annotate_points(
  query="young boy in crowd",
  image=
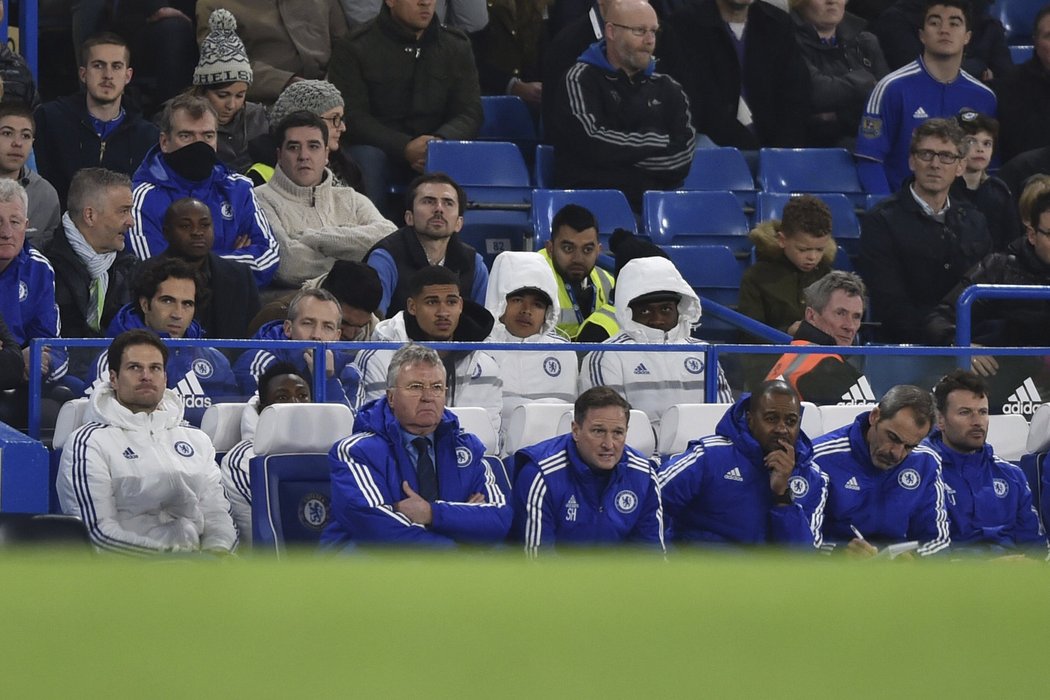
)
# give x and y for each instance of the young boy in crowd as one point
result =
(988, 193)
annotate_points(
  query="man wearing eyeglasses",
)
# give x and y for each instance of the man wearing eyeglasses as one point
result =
(916, 245)
(619, 124)
(408, 475)
(315, 223)
(934, 85)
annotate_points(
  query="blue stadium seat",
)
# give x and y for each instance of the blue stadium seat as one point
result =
(543, 167)
(507, 118)
(813, 170)
(695, 218)
(493, 173)
(843, 261)
(714, 273)
(492, 231)
(845, 226)
(1021, 54)
(1017, 17)
(721, 168)
(610, 207)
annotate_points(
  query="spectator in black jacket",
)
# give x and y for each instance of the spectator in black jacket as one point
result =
(844, 64)
(1024, 96)
(92, 269)
(12, 366)
(988, 193)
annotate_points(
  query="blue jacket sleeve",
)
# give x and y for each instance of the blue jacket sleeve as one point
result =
(361, 505)
(380, 261)
(475, 522)
(929, 522)
(533, 514)
(680, 480)
(1027, 529)
(249, 367)
(147, 213)
(262, 252)
(481, 280)
(650, 526)
(801, 522)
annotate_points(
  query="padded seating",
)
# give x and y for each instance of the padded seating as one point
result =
(721, 168)
(70, 417)
(834, 417)
(532, 423)
(640, 434)
(687, 421)
(475, 420)
(222, 423)
(1039, 430)
(813, 170)
(812, 421)
(695, 218)
(610, 207)
(492, 173)
(291, 487)
(1008, 434)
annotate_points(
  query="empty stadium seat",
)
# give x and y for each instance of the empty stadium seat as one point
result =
(640, 434)
(712, 270)
(543, 167)
(610, 207)
(1021, 54)
(507, 118)
(812, 421)
(493, 173)
(834, 417)
(1008, 434)
(532, 423)
(1039, 430)
(812, 170)
(222, 423)
(721, 168)
(1018, 17)
(688, 421)
(291, 487)
(70, 417)
(492, 231)
(705, 218)
(475, 420)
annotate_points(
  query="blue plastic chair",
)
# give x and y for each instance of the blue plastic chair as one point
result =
(492, 231)
(812, 170)
(714, 273)
(721, 168)
(506, 118)
(695, 218)
(610, 207)
(1021, 54)
(543, 167)
(1018, 17)
(845, 226)
(492, 173)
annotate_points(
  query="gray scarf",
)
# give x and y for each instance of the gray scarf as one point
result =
(97, 264)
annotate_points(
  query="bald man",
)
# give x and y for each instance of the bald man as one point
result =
(619, 124)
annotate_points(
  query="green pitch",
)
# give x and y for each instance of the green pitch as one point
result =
(624, 625)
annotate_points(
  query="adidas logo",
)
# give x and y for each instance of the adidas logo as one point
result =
(852, 484)
(641, 369)
(192, 393)
(130, 454)
(920, 113)
(733, 474)
(859, 393)
(573, 503)
(1024, 400)
(570, 509)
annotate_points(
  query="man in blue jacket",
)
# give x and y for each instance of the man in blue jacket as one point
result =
(409, 475)
(185, 164)
(587, 486)
(989, 501)
(753, 481)
(884, 486)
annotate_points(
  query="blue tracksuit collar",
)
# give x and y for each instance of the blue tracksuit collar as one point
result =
(126, 320)
(734, 427)
(595, 55)
(958, 460)
(376, 417)
(155, 170)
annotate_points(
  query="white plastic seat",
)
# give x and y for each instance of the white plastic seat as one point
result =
(1008, 434)
(533, 422)
(222, 423)
(476, 420)
(687, 421)
(302, 427)
(834, 417)
(640, 434)
(812, 422)
(1039, 431)
(70, 417)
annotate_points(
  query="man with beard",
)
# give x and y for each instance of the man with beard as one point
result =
(433, 216)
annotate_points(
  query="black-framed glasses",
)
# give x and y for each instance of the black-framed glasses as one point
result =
(639, 31)
(334, 121)
(946, 157)
(1042, 232)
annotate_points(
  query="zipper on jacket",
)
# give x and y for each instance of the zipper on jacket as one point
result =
(101, 151)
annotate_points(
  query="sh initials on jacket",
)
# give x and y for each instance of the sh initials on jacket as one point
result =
(570, 509)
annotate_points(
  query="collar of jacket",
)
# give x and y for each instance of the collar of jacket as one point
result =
(281, 183)
(402, 34)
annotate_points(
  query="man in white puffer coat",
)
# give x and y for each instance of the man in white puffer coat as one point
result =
(654, 305)
(141, 481)
(523, 298)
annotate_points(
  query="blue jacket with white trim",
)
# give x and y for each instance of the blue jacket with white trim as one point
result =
(885, 505)
(234, 212)
(369, 467)
(558, 499)
(988, 499)
(717, 490)
(27, 304)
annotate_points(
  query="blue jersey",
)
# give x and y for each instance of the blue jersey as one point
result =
(559, 500)
(27, 302)
(900, 102)
(717, 490)
(988, 499)
(886, 505)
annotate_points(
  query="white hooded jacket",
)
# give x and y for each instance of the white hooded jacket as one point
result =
(651, 381)
(529, 376)
(144, 482)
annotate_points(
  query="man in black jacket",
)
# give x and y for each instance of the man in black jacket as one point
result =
(233, 298)
(1024, 97)
(92, 269)
(96, 127)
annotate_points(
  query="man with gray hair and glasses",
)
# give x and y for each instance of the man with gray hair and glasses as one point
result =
(408, 474)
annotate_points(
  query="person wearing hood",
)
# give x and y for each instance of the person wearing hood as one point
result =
(884, 484)
(312, 315)
(409, 475)
(587, 487)
(184, 164)
(523, 298)
(988, 500)
(166, 292)
(653, 305)
(753, 482)
(619, 124)
(436, 312)
(280, 383)
(141, 481)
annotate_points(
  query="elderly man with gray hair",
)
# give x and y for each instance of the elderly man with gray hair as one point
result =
(834, 307)
(408, 475)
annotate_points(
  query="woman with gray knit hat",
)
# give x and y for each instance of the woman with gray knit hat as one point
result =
(223, 75)
(319, 97)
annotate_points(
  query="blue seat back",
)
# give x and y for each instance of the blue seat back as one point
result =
(610, 207)
(695, 218)
(543, 167)
(492, 231)
(1017, 17)
(721, 168)
(813, 170)
(291, 499)
(491, 172)
(845, 226)
(1020, 54)
(506, 118)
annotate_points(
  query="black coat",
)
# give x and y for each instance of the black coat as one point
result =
(1024, 109)
(699, 53)
(994, 199)
(233, 298)
(11, 363)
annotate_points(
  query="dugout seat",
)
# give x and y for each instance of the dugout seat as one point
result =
(475, 420)
(70, 417)
(640, 433)
(1008, 434)
(532, 423)
(687, 421)
(834, 417)
(34, 530)
(222, 423)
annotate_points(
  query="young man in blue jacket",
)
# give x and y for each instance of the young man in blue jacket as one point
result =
(753, 481)
(587, 487)
(989, 501)
(885, 487)
(409, 475)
